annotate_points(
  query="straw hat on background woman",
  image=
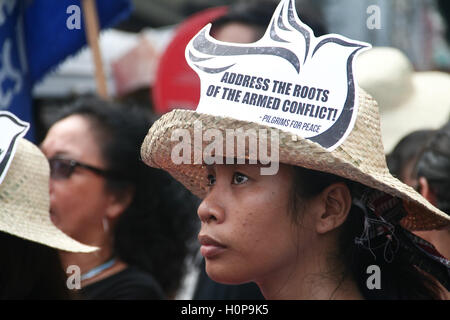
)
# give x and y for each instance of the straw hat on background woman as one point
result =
(30, 265)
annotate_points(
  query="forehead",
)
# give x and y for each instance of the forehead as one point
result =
(236, 32)
(284, 172)
(73, 136)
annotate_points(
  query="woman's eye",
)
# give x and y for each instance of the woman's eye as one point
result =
(239, 178)
(211, 180)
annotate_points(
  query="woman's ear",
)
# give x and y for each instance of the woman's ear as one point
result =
(119, 202)
(337, 202)
(426, 191)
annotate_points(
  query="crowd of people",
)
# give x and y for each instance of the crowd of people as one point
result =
(101, 193)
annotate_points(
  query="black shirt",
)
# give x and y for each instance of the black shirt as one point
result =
(130, 283)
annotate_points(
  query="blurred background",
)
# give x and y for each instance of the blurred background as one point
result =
(132, 47)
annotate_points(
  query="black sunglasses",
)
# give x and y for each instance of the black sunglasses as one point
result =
(61, 168)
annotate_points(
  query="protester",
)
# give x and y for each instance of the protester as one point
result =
(330, 212)
(103, 195)
(246, 22)
(403, 158)
(30, 267)
(433, 172)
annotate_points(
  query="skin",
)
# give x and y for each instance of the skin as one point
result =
(439, 238)
(81, 206)
(407, 174)
(248, 214)
(236, 32)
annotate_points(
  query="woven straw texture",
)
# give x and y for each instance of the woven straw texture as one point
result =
(25, 203)
(360, 157)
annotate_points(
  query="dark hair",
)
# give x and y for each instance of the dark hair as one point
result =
(154, 233)
(408, 149)
(434, 165)
(257, 13)
(30, 270)
(399, 280)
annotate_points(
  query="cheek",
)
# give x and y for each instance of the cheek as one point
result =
(262, 240)
(266, 234)
(76, 207)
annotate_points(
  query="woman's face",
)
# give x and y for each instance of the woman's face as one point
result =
(247, 231)
(80, 201)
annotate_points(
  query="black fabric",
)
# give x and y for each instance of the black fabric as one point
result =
(207, 289)
(130, 283)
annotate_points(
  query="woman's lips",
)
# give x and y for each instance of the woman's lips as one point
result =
(210, 247)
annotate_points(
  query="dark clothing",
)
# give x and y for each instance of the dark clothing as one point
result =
(207, 289)
(130, 283)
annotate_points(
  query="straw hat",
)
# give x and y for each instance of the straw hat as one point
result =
(360, 157)
(408, 100)
(25, 204)
(357, 155)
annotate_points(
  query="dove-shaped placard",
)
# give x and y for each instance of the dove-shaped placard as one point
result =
(11, 128)
(289, 79)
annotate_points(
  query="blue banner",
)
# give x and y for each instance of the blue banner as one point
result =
(37, 35)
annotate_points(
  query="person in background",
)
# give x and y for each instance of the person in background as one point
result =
(403, 158)
(103, 195)
(408, 100)
(246, 22)
(433, 173)
(30, 267)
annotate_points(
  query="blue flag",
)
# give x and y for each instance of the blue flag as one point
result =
(37, 35)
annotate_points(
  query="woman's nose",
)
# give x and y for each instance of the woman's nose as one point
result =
(211, 209)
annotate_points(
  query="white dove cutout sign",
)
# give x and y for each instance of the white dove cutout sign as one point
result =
(289, 79)
(11, 129)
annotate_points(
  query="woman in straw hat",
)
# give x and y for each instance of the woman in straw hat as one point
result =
(103, 195)
(306, 233)
(30, 267)
(331, 222)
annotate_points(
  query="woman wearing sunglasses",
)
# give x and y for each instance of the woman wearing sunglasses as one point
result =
(102, 194)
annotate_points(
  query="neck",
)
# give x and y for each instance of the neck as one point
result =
(317, 278)
(439, 239)
(85, 261)
(88, 261)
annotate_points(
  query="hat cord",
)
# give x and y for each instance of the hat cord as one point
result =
(382, 213)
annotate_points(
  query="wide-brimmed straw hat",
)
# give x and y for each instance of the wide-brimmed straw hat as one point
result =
(25, 203)
(408, 100)
(359, 156)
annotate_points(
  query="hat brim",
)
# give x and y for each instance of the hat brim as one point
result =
(427, 107)
(293, 150)
(24, 201)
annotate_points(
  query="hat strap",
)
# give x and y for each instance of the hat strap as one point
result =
(424, 255)
(382, 214)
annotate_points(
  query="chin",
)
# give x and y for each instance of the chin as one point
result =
(225, 274)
